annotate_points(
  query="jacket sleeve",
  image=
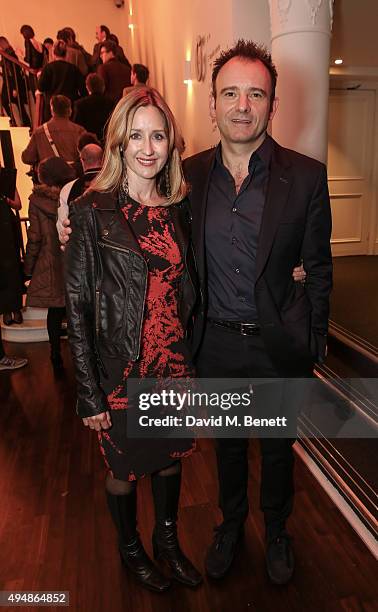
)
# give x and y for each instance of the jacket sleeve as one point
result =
(317, 261)
(33, 245)
(30, 155)
(91, 399)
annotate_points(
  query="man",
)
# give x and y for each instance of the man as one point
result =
(139, 74)
(58, 136)
(116, 76)
(60, 77)
(74, 55)
(258, 209)
(91, 161)
(102, 34)
(93, 111)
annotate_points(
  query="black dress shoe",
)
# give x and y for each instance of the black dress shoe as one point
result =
(221, 552)
(280, 559)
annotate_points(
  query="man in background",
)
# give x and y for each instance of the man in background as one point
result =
(57, 137)
(115, 75)
(93, 111)
(91, 161)
(139, 74)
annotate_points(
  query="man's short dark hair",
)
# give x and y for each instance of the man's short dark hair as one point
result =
(65, 35)
(87, 138)
(109, 45)
(142, 72)
(27, 31)
(48, 41)
(95, 83)
(104, 28)
(250, 51)
(61, 106)
(60, 48)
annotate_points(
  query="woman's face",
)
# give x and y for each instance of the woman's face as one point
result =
(147, 150)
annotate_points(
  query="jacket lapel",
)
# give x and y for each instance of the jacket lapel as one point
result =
(198, 199)
(279, 186)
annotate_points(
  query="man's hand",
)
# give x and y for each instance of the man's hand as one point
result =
(98, 422)
(64, 234)
(299, 274)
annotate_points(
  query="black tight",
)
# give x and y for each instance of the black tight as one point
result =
(55, 316)
(114, 486)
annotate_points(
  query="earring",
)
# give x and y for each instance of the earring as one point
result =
(167, 181)
(124, 189)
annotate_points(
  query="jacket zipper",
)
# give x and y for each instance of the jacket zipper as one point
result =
(111, 245)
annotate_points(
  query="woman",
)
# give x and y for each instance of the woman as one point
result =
(34, 50)
(43, 259)
(130, 295)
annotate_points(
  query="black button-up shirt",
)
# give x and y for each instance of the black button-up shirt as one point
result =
(232, 230)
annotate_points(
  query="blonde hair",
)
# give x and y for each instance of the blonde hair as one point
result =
(117, 137)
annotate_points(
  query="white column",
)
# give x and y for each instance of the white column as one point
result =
(301, 33)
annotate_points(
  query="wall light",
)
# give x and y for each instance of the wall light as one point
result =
(338, 61)
(187, 72)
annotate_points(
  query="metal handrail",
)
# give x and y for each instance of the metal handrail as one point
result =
(13, 70)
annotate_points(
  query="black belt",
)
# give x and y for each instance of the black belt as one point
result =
(245, 329)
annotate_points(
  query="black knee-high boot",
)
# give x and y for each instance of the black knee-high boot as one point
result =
(166, 493)
(123, 510)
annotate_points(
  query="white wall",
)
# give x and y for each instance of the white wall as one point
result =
(164, 37)
(251, 20)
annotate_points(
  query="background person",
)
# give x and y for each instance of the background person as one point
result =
(43, 259)
(60, 77)
(11, 282)
(94, 110)
(139, 74)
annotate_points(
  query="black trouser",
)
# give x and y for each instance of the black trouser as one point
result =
(228, 354)
(55, 316)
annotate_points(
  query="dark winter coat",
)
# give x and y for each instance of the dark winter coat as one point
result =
(10, 265)
(43, 261)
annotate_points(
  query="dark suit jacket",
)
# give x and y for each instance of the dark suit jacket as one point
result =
(116, 77)
(296, 225)
(92, 112)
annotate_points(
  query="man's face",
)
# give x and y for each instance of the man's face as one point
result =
(105, 55)
(242, 105)
(100, 35)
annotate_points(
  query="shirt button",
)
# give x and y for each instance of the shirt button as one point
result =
(237, 271)
(234, 209)
(233, 240)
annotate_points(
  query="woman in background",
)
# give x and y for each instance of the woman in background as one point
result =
(43, 259)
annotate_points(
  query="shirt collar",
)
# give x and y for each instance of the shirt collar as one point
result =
(262, 154)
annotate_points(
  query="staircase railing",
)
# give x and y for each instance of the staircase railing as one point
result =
(20, 99)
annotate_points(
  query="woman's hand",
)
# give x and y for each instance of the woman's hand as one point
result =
(98, 422)
(64, 233)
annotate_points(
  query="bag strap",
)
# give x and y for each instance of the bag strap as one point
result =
(50, 140)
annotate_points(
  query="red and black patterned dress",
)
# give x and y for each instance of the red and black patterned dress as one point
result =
(163, 351)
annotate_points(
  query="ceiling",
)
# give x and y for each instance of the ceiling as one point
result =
(355, 32)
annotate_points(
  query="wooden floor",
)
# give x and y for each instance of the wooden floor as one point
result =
(55, 532)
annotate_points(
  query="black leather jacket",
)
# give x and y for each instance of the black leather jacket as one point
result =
(106, 283)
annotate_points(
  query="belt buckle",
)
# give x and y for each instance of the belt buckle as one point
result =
(244, 328)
